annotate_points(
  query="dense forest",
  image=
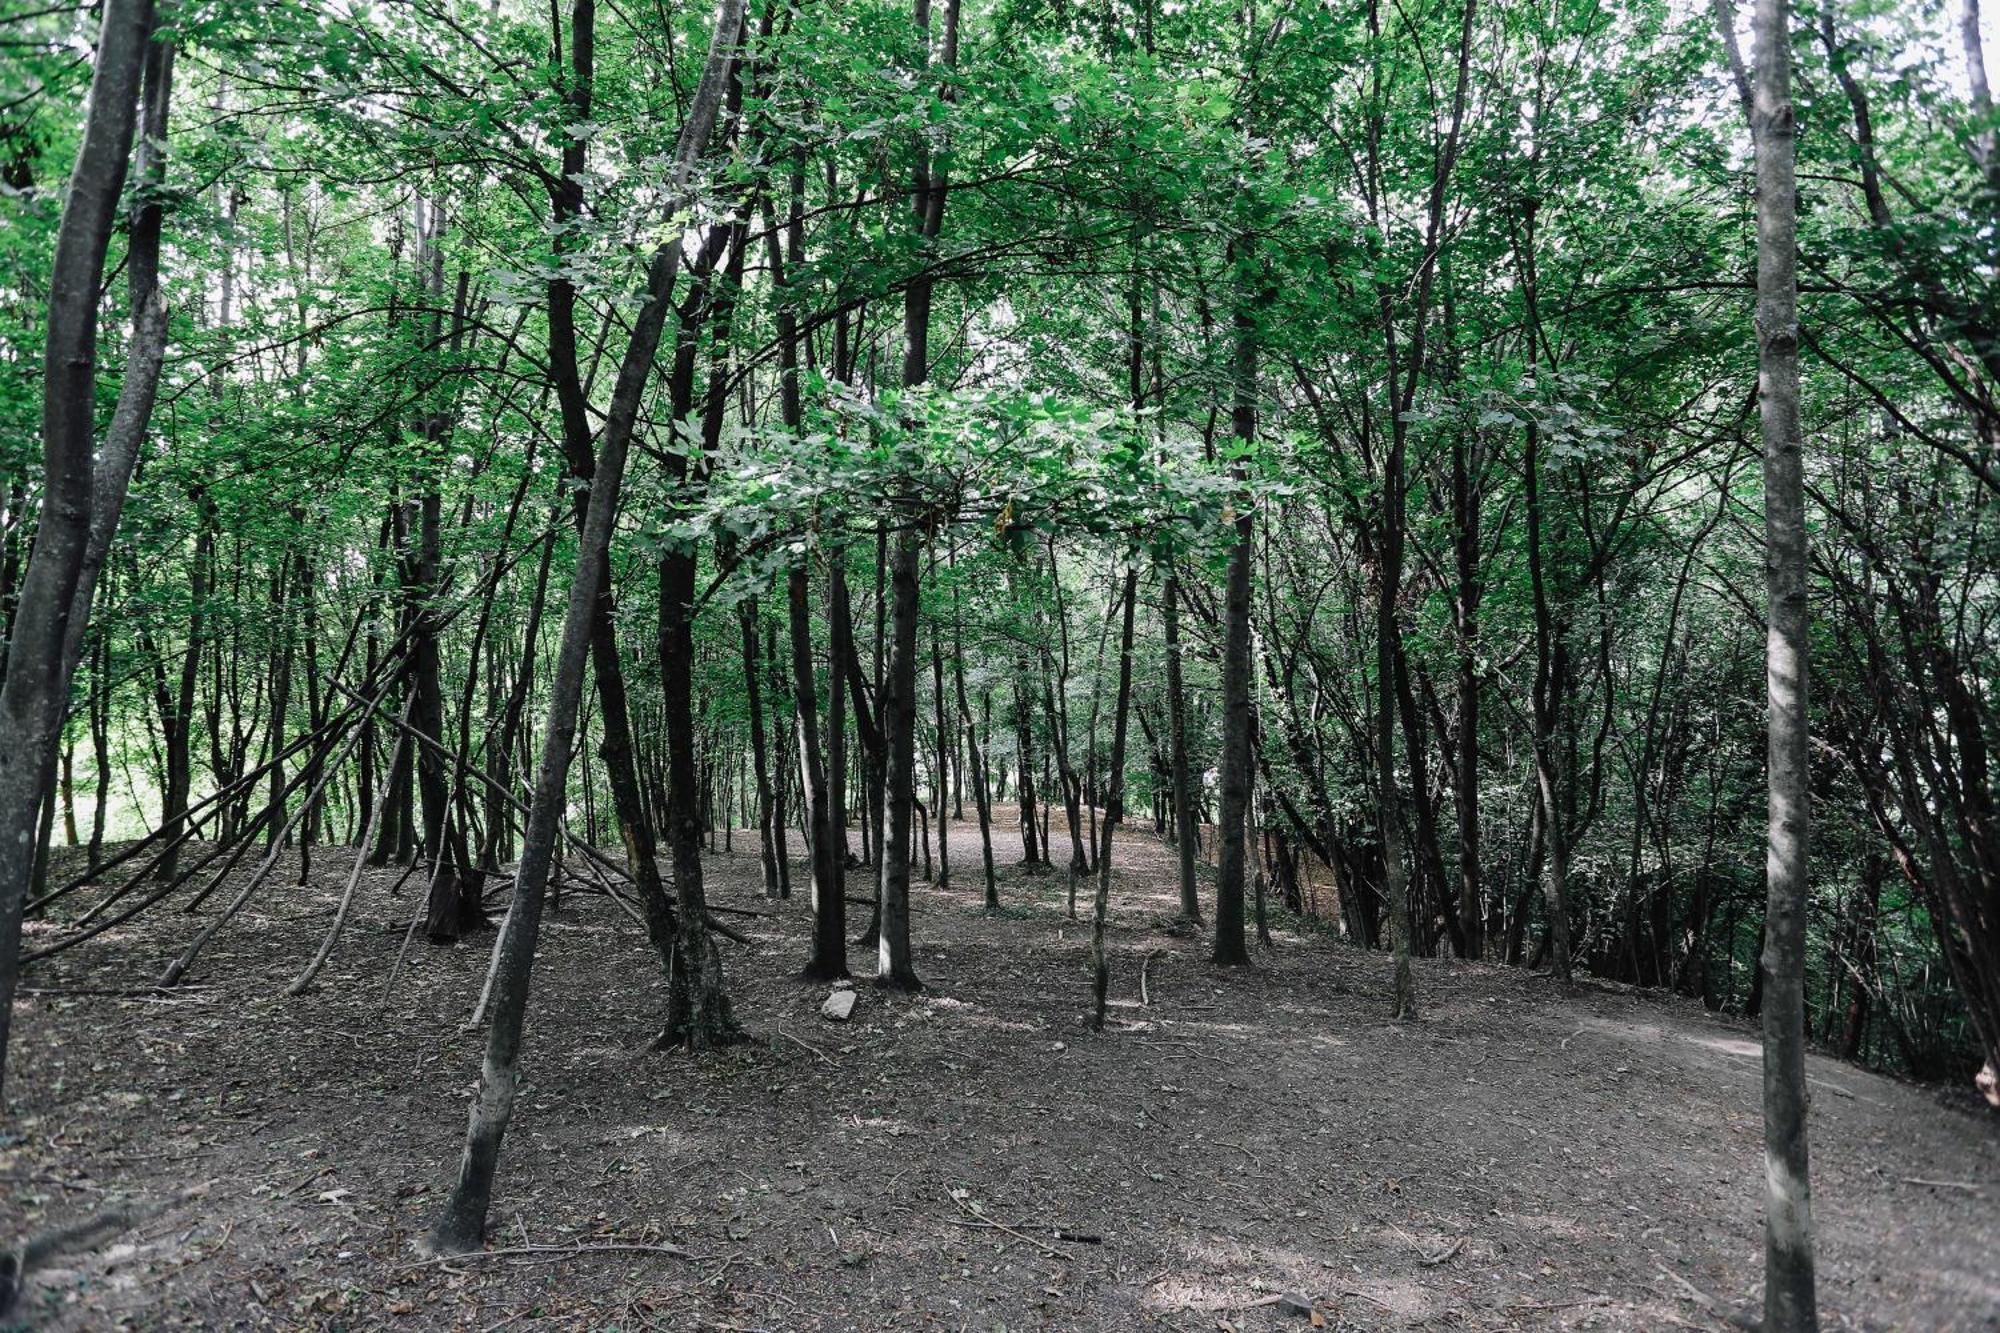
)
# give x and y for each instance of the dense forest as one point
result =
(518, 455)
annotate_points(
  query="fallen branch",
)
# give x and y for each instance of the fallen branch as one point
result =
(1442, 1256)
(806, 1044)
(972, 1211)
(1145, 997)
(1708, 1303)
(113, 992)
(1073, 1237)
(554, 1252)
(15, 1264)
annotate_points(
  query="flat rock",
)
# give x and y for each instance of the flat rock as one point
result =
(839, 1006)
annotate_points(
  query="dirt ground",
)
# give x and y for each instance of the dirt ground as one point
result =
(968, 1159)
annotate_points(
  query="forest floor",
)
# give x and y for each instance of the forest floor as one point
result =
(1515, 1158)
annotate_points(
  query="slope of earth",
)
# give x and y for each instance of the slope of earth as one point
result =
(971, 1158)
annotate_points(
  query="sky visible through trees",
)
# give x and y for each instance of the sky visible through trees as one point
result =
(1442, 483)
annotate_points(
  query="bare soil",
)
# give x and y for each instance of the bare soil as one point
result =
(972, 1158)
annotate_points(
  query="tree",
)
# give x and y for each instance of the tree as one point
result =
(40, 662)
(1790, 1298)
(461, 1226)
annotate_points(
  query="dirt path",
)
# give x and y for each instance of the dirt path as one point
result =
(1511, 1160)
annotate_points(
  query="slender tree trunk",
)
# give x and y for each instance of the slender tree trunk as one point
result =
(893, 966)
(698, 1013)
(1790, 1299)
(1187, 830)
(635, 822)
(829, 906)
(1114, 807)
(940, 780)
(100, 745)
(1465, 503)
(176, 709)
(36, 689)
(1395, 871)
(461, 1226)
(975, 756)
(779, 729)
(897, 700)
(770, 835)
(1551, 673)
(1033, 852)
(1231, 848)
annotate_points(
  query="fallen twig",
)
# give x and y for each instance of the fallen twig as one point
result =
(824, 1057)
(313, 1175)
(113, 1218)
(112, 992)
(1707, 1302)
(1442, 1256)
(972, 1211)
(554, 1252)
(1060, 1233)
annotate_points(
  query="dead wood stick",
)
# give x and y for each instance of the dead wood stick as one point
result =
(1043, 1246)
(304, 980)
(1060, 1233)
(492, 969)
(464, 769)
(116, 992)
(609, 892)
(554, 1252)
(178, 968)
(1707, 1302)
(597, 858)
(727, 932)
(1442, 1256)
(1145, 997)
(806, 1044)
(14, 1265)
(410, 933)
(195, 818)
(306, 1180)
(1969, 1186)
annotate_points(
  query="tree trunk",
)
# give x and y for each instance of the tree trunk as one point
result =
(1231, 849)
(828, 959)
(975, 756)
(769, 836)
(461, 1226)
(698, 1011)
(1114, 807)
(940, 780)
(1187, 831)
(35, 692)
(1790, 1300)
(1465, 502)
(635, 822)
